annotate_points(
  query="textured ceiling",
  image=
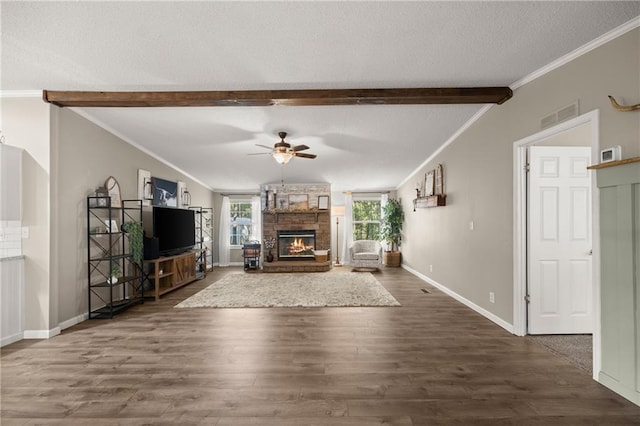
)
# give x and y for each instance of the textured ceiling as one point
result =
(290, 45)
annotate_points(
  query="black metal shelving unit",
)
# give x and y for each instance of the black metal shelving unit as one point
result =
(251, 255)
(107, 250)
(204, 239)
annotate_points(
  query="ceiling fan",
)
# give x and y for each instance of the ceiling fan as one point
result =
(282, 151)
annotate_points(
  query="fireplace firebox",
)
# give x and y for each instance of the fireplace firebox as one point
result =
(296, 245)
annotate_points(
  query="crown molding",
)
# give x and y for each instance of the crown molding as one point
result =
(20, 93)
(448, 142)
(603, 39)
(119, 135)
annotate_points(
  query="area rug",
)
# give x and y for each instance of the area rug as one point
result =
(292, 290)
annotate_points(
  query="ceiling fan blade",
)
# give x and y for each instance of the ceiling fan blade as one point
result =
(264, 146)
(299, 148)
(259, 153)
(303, 155)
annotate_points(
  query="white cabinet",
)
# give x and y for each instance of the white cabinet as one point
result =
(11, 261)
(11, 300)
(10, 182)
(10, 201)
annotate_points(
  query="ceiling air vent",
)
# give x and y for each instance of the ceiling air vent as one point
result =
(563, 114)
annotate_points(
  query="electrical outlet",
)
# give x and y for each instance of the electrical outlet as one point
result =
(25, 232)
(492, 297)
(430, 268)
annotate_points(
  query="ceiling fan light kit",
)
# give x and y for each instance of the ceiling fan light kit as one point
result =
(282, 151)
(282, 157)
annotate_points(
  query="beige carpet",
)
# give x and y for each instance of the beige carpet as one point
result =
(243, 290)
(575, 348)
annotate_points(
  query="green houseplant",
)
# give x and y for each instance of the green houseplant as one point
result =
(115, 273)
(390, 232)
(134, 233)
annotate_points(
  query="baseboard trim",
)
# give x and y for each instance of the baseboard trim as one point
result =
(617, 387)
(11, 339)
(41, 334)
(488, 315)
(73, 321)
(230, 264)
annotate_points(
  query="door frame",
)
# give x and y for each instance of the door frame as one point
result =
(591, 118)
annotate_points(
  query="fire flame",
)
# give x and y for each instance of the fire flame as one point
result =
(298, 246)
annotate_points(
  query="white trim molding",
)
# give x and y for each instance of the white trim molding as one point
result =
(605, 38)
(11, 339)
(85, 114)
(20, 93)
(41, 334)
(448, 142)
(73, 321)
(520, 226)
(576, 53)
(488, 315)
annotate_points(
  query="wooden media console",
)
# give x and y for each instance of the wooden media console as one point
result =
(169, 273)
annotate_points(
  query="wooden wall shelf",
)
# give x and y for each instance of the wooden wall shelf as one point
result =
(614, 163)
(429, 201)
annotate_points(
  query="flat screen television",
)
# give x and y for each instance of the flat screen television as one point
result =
(175, 229)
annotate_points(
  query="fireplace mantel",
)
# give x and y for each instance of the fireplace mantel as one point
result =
(318, 220)
(278, 213)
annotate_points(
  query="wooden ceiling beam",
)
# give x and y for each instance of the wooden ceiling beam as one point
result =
(408, 96)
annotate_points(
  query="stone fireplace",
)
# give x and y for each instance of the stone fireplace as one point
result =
(297, 217)
(312, 229)
(296, 245)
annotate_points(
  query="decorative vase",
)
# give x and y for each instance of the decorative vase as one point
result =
(269, 256)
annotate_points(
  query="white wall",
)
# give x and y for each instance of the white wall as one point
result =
(85, 156)
(26, 124)
(479, 177)
(66, 157)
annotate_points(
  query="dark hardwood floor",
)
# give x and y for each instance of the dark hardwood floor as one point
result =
(432, 361)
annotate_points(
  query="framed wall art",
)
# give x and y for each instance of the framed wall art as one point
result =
(323, 202)
(439, 181)
(165, 192)
(298, 201)
(429, 183)
(113, 188)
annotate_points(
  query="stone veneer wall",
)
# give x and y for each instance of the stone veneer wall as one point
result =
(320, 221)
(282, 218)
(282, 192)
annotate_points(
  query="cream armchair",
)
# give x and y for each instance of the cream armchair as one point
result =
(365, 254)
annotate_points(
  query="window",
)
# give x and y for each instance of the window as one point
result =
(240, 222)
(366, 219)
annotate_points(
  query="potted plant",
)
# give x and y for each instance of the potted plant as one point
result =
(134, 233)
(115, 273)
(392, 218)
(269, 244)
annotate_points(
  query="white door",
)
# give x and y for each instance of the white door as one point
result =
(559, 241)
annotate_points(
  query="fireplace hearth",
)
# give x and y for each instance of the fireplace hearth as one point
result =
(296, 245)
